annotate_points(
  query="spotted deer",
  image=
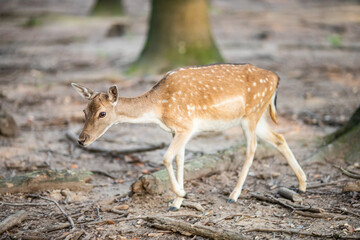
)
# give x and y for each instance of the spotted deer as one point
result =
(191, 100)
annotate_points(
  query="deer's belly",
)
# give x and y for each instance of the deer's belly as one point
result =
(204, 125)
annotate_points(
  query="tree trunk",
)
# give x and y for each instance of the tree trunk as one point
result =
(179, 35)
(107, 8)
(343, 144)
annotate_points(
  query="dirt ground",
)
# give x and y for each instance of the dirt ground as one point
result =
(313, 46)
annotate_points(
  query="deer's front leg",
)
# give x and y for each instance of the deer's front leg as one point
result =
(180, 178)
(177, 147)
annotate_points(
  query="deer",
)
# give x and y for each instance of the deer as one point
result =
(196, 99)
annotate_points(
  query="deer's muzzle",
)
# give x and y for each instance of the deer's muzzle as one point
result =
(82, 138)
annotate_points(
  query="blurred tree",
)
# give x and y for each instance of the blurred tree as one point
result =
(344, 143)
(179, 35)
(107, 8)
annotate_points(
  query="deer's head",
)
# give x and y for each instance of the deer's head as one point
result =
(100, 113)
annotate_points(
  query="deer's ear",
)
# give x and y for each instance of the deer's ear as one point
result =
(85, 92)
(113, 94)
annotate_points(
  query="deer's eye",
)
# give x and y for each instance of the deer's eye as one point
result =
(102, 114)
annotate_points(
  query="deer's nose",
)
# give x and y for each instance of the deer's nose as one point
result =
(81, 141)
(82, 138)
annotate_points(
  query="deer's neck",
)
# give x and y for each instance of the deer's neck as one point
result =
(141, 109)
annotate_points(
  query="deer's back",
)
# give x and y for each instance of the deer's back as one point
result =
(213, 93)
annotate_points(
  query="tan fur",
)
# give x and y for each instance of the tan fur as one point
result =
(194, 99)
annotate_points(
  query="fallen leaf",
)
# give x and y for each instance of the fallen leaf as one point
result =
(139, 164)
(74, 166)
(122, 207)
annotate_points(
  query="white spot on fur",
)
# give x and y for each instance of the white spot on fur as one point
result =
(254, 83)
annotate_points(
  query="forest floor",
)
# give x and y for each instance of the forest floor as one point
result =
(313, 46)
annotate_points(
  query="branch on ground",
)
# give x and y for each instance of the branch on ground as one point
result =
(75, 180)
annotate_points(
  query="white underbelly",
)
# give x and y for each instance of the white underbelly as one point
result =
(204, 125)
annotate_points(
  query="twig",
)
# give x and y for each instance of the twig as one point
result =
(292, 231)
(104, 174)
(23, 204)
(141, 217)
(348, 173)
(60, 208)
(187, 229)
(57, 227)
(13, 220)
(348, 212)
(193, 205)
(231, 217)
(271, 199)
(321, 185)
(289, 194)
(97, 149)
(75, 235)
(319, 215)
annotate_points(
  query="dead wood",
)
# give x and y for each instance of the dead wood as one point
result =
(98, 149)
(319, 215)
(348, 173)
(30, 235)
(75, 235)
(344, 210)
(58, 206)
(13, 220)
(196, 206)
(289, 194)
(104, 174)
(158, 182)
(101, 222)
(352, 187)
(272, 199)
(187, 229)
(293, 231)
(322, 185)
(75, 180)
(53, 228)
(23, 204)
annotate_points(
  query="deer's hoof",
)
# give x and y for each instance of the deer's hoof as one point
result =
(229, 200)
(173, 209)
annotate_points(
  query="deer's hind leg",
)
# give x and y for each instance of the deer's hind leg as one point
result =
(249, 128)
(264, 132)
